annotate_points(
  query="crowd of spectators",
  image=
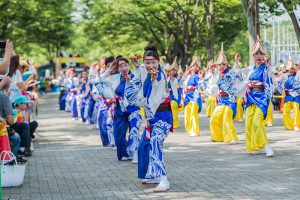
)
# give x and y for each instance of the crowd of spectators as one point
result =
(17, 100)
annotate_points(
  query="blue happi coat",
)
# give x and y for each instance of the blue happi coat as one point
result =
(226, 84)
(292, 85)
(193, 82)
(260, 99)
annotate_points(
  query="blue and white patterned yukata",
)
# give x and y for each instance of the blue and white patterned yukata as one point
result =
(155, 99)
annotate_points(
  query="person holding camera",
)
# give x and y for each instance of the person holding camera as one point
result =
(6, 47)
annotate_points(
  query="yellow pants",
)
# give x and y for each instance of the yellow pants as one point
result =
(175, 109)
(210, 105)
(255, 132)
(239, 109)
(269, 119)
(143, 112)
(221, 125)
(191, 119)
(288, 122)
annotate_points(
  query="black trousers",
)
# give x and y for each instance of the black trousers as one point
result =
(32, 126)
(23, 129)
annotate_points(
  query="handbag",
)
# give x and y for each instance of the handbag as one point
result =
(12, 175)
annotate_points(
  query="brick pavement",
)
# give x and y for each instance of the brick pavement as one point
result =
(70, 163)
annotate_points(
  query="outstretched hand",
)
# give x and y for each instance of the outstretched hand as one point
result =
(9, 47)
(187, 71)
(135, 60)
(6, 80)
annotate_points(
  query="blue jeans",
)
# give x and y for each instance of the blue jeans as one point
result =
(15, 142)
(23, 129)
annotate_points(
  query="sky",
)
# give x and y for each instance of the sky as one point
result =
(285, 16)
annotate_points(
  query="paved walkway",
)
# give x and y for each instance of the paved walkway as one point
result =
(70, 163)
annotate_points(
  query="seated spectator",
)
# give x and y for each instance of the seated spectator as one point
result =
(14, 138)
(6, 118)
(21, 114)
(23, 130)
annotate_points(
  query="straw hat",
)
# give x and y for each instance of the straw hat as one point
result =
(290, 64)
(222, 58)
(281, 68)
(180, 70)
(210, 64)
(196, 62)
(174, 65)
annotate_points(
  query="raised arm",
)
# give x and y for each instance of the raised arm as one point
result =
(4, 65)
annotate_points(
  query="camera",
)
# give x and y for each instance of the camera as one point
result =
(2, 49)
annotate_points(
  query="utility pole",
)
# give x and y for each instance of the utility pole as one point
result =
(284, 40)
(273, 44)
(278, 37)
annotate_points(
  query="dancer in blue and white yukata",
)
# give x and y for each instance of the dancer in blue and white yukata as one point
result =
(258, 95)
(156, 100)
(106, 86)
(239, 96)
(83, 96)
(70, 85)
(222, 128)
(210, 88)
(126, 116)
(93, 94)
(192, 98)
(290, 85)
(63, 92)
(174, 89)
(65, 85)
(74, 95)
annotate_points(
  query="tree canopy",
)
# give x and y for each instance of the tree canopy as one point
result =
(40, 26)
(179, 28)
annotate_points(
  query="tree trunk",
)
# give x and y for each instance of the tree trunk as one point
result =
(294, 21)
(251, 31)
(210, 26)
(185, 58)
(52, 64)
(249, 9)
(256, 14)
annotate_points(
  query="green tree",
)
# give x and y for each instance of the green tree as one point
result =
(178, 28)
(41, 26)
